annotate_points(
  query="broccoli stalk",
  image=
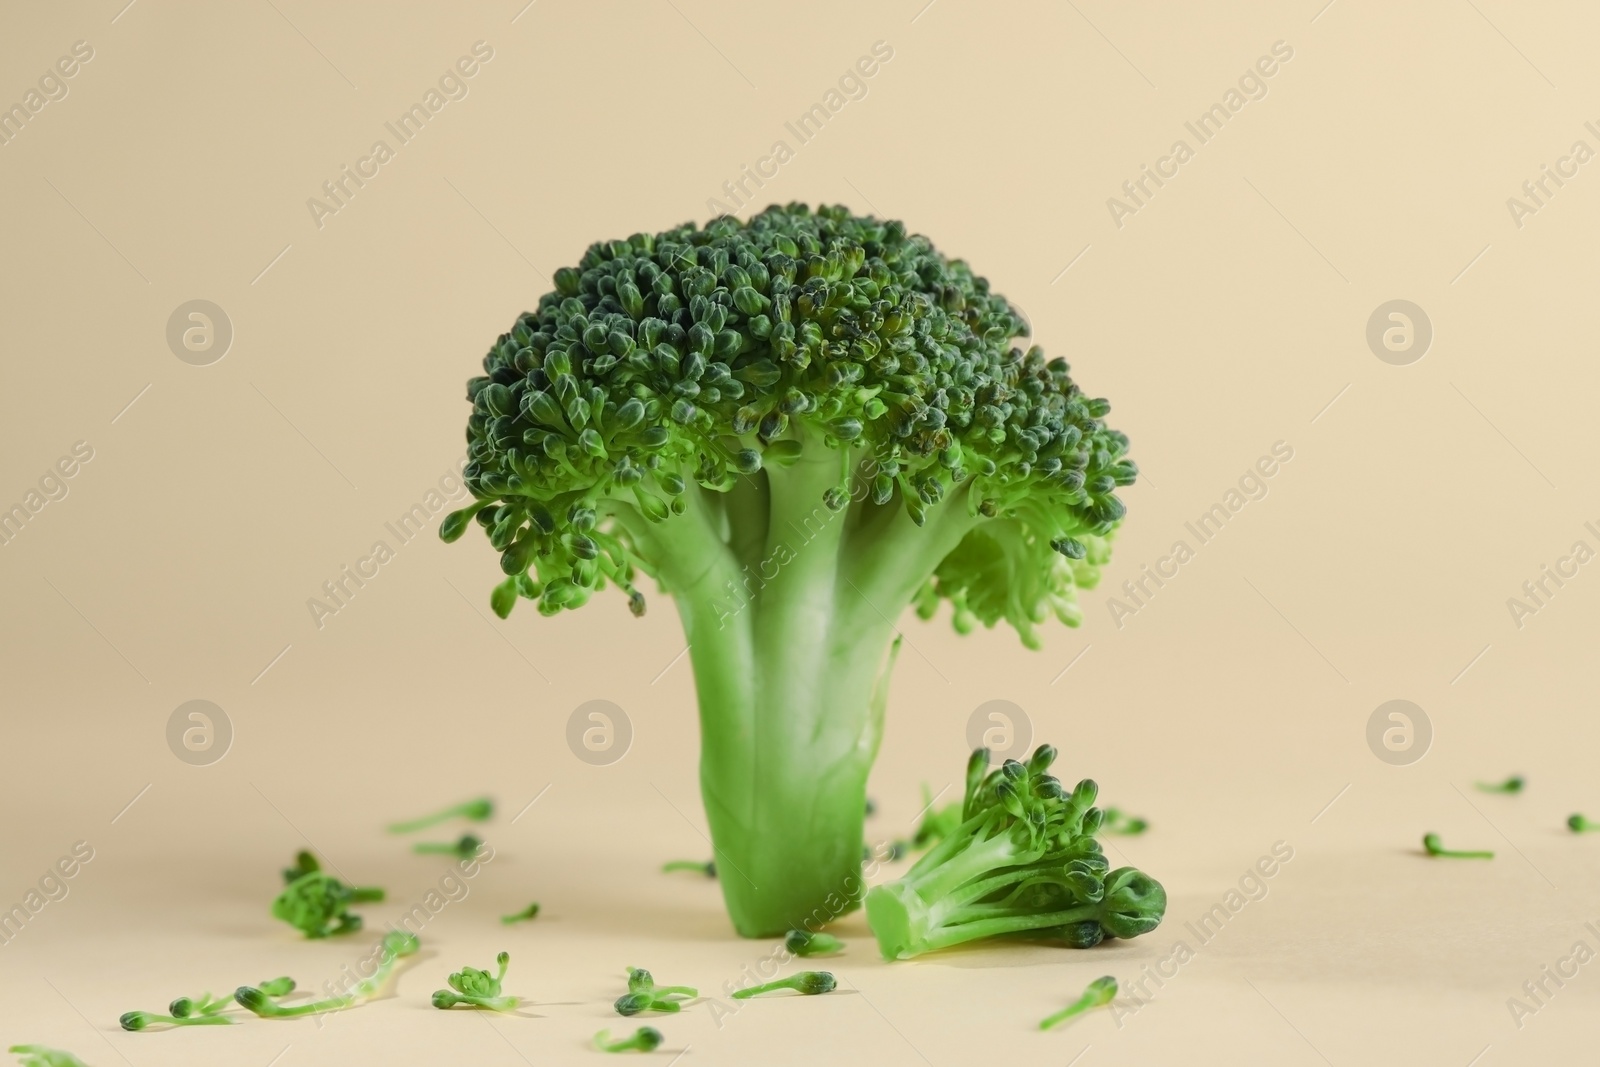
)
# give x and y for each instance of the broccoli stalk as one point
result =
(204, 1011)
(806, 983)
(263, 1000)
(1023, 862)
(799, 426)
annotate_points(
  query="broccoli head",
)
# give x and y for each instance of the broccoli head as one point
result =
(798, 426)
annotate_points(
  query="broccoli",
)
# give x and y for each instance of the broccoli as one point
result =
(477, 989)
(205, 1011)
(316, 903)
(937, 823)
(44, 1056)
(1579, 824)
(1120, 822)
(261, 999)
(1098, 992)
(530, 912)
(644, 995)
(644, 1039)
(806, 983)
(464, 848)
(798, 425)
(1434, 847)
(478, 810)
(1514, 784)
(1023, 863)
(807, 943)
(708, 868)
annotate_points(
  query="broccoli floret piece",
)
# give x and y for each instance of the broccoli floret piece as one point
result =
(1120, 822)
(806, 983)
(44, 1056)
(1513, 784)
(1098, 992)
(644, 995)
(478, 810)
(808, 943)
(204, 1010)
(798, 425)
(530, 912)
(937, 823)
(708, 868)
(1023, 863)
(644, 1039)
(1579, 824)
(262, 999)
(477, 989)
(464, 848)
(1434, 847)
(316, 903)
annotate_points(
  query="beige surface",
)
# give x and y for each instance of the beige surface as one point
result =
(1222, 317)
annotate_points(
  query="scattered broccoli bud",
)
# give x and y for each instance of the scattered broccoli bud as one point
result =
(1513, 784)
(478, 810)
(202, 1011)
(477, 989)
(465, 848)
(708, 868)
(807, 943)
(680, 396)
(1097, 993)
(1431, 843)
(44, 1056)
(1578, 824)
(1119, 822)
(937, 823)
(396, 944)
(644, 995)
(644, 1039)
(139, 1020)
(317, 904)
(807, 983)
(530, 912)
(1023, 863)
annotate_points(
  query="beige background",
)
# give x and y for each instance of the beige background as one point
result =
(1224, 316)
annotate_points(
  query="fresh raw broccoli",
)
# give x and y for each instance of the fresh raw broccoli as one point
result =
(937, 823)
(464, 848)
(1514, 784)
(644, 995)
(1435, 847)
(530, 912)
(808, 943)
(1120, 822)
(644, 1039)
(798, 425)
(1098, 992)
(478, 810)
(316, 903)
(261, 1000)
(807, 983)
(203, 1011)
(477, 989)
(1579, 824)
(708, 868)
(44, 1056)
(1023, 863)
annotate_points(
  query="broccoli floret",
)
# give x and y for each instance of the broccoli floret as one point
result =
(1579, 824)
(708, 868)
(463, 848)
(205, 1010)
(316, 903)
(809, 943)
(478, 810)
(477, 989)
(44, 1056)
(530, 912)
(644, 1039)
(262, 999)
(1099, 992)
(1023, 863)
(806, 983)
(798, 425)
(644, 995)
(1513, 784)
(1434, 847)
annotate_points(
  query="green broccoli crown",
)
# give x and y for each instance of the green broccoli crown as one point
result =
(701, 355)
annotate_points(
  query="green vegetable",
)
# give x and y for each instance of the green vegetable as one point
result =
(204, 1011)
(644, 995)
(43, 1056)
(1431, 843)
(1023, 863)
(478, 810)
(530, 912)
(808, 983)
(260, 999)
(316, 903)
(304, 863)
(708, 868)
(937, 823)
(1118, 822)
(1098, 992)
(465, 848)
(644, 1039)
(807, 943)
(799, 425)
(1514, 784)
(477, 989)
(1578, 824)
